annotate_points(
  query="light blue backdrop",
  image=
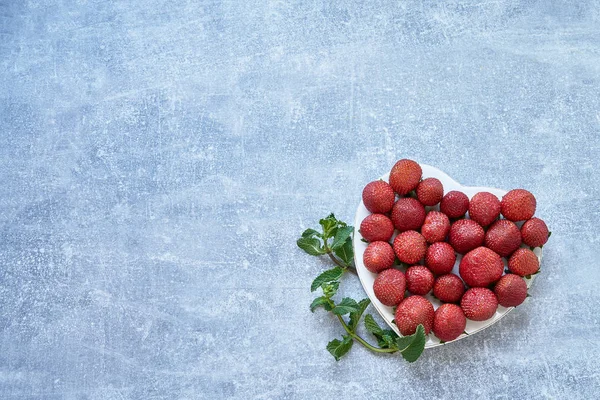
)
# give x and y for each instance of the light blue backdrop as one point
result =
(158, 160)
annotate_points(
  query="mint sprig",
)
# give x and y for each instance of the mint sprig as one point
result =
(335, 241)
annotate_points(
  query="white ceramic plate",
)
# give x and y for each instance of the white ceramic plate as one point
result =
(367, 278)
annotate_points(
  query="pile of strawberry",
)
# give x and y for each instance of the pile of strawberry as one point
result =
(428, 240)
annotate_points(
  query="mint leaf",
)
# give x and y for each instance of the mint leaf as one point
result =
(310, 233)
(339, 348)
(311, 245)
(345, 252)
(330, 289)
(387, 342)
(320, 302)
(346, 306)
(340, 236)
(404, 341)
(549, 234)
(329, 224)
(355, 315)
(372, 326)
(415, 349)
(328, 276)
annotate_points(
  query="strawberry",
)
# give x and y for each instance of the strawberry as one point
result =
(511, 290)
(410, 247)
(454, 204)
(419, 280)
(389, 287)
(430, 191)
(518, 205)
(449, 322)
(535, 232)
(523, 262)
(481, 267)
(449, 288)
(436, 227)
(440, 258)
(503, 237)
(405, 176)
(376, 227)
(484, 208)
(412, 312)
(479, 304)
(378, 256)
(465, 235)
(408, 214)
(378, 197)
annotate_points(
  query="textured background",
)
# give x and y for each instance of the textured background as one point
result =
(158, 160)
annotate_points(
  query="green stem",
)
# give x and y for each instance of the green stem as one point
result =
(361, 340)
(336, 261)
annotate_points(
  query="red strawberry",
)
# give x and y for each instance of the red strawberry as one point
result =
(479, 304)
(503, 237)
(511, 290)
(440, 258)
(430, 191)
(534, 232)
(408, 214)
(518, 205)
(405, 176)
(484, 208)
(389, 287)
(454, 204)
(465, 235)
(523, 262)
(410, 247)
(436, 227)
(419, 280)
(377, 227)
(449, 288)
(378, 197)
(481, 267)
(449, 322)
(378, 256)
(412, 312)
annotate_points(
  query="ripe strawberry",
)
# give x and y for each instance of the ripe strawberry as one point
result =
(503, 237)
(410, 247)
(484, 208)
(378, 197)
(465, 235)
(378, 256)
(479, 304)
(523, 262)
(454, 204)
(436, 227)
(534, 232)
(408, 214)
(377, 227)
(412, 312)
(389, 287)
(440, 258)
(511, 290)
(419, 280)
(449, 288)
(481, 267)
(449, 322)
(430, 191)
(405, 176)
(518, 205)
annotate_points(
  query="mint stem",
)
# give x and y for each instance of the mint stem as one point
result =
(336, 261)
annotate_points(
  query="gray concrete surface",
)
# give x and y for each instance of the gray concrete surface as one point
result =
(158, 160)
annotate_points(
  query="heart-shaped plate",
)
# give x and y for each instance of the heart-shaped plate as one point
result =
(367, 277)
